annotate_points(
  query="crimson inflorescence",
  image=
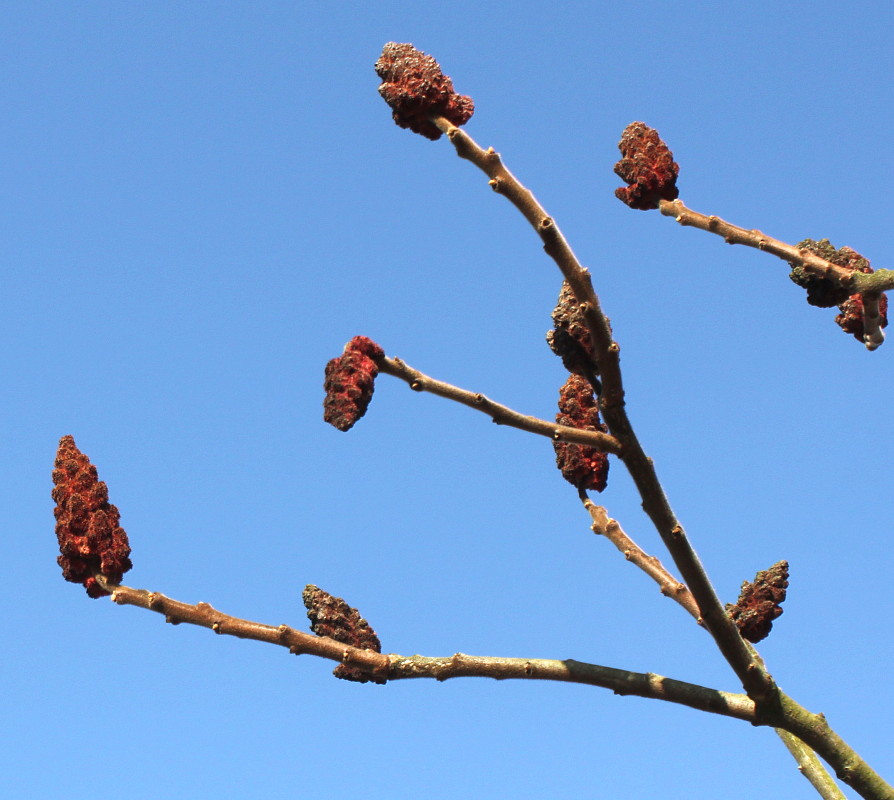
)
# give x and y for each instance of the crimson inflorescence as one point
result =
(825, 292)
(760, 602)
(90, 539)
(350, 382)
(647, 166)
(415, 88)
(581, 465)
(570, 339)
(333, 617)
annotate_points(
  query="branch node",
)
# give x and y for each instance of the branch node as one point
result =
(416, 386)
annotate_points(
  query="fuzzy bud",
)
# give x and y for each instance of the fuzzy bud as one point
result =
(570, 340)
(333, 617)
(581, 465)
(647, 166)
(415, 88)
(350, 382)
(850, 320)
(90, 539)
(760, 602)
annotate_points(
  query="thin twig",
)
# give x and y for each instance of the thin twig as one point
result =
(502, 415)
(868, 285)
(670, 586)
(754, 677)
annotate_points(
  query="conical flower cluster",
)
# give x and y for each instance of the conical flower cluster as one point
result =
(333, 617)
(350, 382)
(415, 88)
(760, 602)
(90, 539)
(570, 339)
(583, 466)
(647, 166)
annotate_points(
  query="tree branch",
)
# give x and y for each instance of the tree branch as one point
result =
(753, 675)
(868, 285)
(397, 667)
(502, 415)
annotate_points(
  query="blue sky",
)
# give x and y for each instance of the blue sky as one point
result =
(204, 201)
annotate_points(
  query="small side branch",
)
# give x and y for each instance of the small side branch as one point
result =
(502, 415)
(867, 285)
(670, 586)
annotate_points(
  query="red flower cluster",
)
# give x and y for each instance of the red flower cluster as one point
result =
(583, 466)
(826, 293)
(90, 539)
(647, 166)
(760, 602)
(350, 382)
(333, 617)
(850, 320)
(415, 88)
(570, 340)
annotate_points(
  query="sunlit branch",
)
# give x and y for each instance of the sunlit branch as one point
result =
(502, 415)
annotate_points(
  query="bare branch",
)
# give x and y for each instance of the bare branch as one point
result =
(502, 415)
(670, 586)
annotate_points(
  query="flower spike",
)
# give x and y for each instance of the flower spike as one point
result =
(416, 89)
(582, 466)
(350, 382)
(647, 165)
(90, 539)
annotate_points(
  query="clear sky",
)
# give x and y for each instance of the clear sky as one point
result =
(202, 202)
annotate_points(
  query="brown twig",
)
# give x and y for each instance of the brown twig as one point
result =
(868, 285)
(397, 667)
(670, 586)
(754, 677)
(810, 728)
(808, 763)
(502, 415)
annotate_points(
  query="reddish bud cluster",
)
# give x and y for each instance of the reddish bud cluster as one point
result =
(825, 292)
(570, 340)
(581, 465)
(350, 382)
(90, 539)
(760, 602)
(415, 88)
(647, 166)
(850, 320)
(333, 617)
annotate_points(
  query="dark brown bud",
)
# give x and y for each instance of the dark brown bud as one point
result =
(760, 602)
(570, 340)
(333, 617)
(415, 88)
(90, 539)
(822, 291)
(582, 466)
(350, 382)
(647, 166)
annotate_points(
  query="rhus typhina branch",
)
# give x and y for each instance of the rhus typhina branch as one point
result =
(855, 282)
(500, 414)
(392, 667)
(603, 525)
(753, 675)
